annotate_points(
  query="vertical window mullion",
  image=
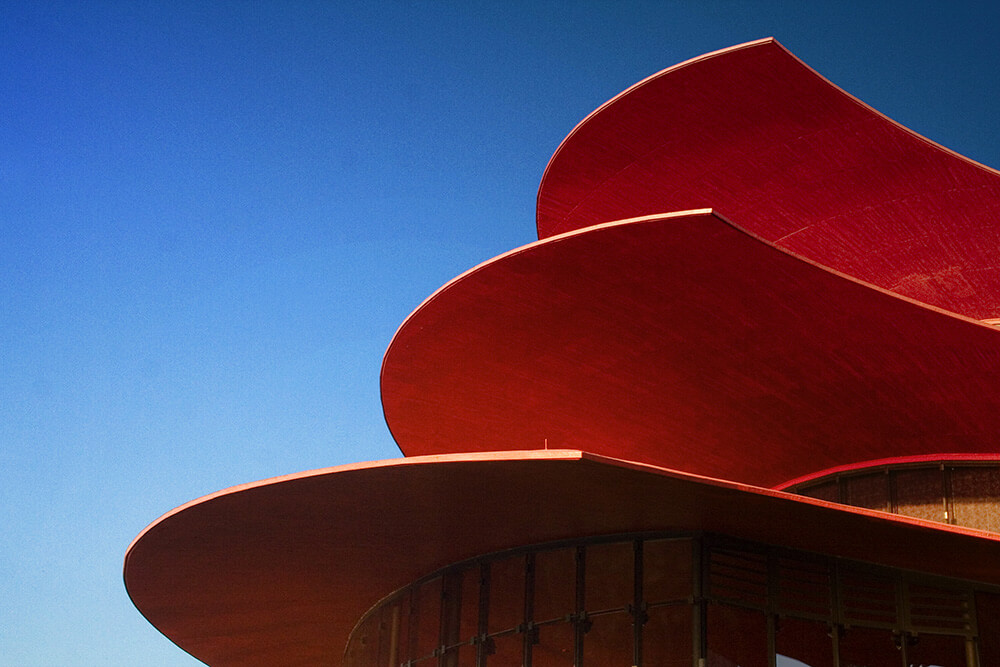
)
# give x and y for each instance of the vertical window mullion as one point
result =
(893, 492)
(902, 614)
(772, 608)
(392, 660)
(530, 633)
(450, 619)
(483, 644)
(699, 609)
(949, 497)
(835, 611)
(639, 605)
(580, 613)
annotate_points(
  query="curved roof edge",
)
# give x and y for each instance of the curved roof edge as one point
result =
(684, 341)
(755, 132)
(652, 77)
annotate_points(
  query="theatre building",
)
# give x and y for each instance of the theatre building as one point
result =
(739, 405)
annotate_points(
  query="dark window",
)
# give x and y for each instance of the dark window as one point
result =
(610, 591)
(809, 642)
(736, 637)
(868, 647)
(936, 650)
(666, 602)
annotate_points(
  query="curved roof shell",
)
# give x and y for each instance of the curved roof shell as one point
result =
(683, 341)
(754, 133)
(278, 572)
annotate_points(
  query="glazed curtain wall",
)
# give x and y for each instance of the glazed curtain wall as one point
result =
(962, 494)
(675, 601)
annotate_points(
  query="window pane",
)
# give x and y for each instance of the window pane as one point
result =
(976, 497)
(829, 491)
(609, 576)
(425, 619)
(870, 491)
(988, 618)
(869, 647)
(555, 584)
(666, 570)
(610, 585)
(804, 587)
(399, 650)
(554, 600)
(936, 651)
(609, 641)
(809, 642)
(506, 594)
(554, 647)
(920, 493)
(736, 637)
(451, 601)
(867, 598)
(469, 626)
(509, 651)
(392, 634)
(666, 637)
(460, 616)
(363, 649)
(738, 576)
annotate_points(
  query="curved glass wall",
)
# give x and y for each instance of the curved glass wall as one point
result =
(958, 493)
(672, 601)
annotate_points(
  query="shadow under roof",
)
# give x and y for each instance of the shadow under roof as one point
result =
(279, 571)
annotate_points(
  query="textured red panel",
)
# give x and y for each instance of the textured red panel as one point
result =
(278, 572)
(684, 342)
(755, 134)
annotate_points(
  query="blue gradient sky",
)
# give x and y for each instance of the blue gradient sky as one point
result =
(213, 217)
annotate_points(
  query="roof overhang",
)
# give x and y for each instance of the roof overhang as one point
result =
(279, 572)
(683, 341)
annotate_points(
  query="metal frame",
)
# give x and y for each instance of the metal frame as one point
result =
(777, 582)
(892, 492)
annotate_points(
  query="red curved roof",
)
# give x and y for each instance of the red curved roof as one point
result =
(278, 572)
(757, 135)
(685, 342)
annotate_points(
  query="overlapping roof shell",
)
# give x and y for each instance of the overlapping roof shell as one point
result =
(744, 274)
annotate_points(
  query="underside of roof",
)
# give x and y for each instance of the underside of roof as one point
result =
(278, 572)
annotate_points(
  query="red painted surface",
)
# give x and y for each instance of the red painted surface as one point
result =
(279, 572)
(760, 137)
(685, 342)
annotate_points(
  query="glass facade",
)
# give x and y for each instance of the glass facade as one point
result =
(672, 601)
(958, 493)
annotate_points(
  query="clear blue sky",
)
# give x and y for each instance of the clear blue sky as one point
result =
(214, 215)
